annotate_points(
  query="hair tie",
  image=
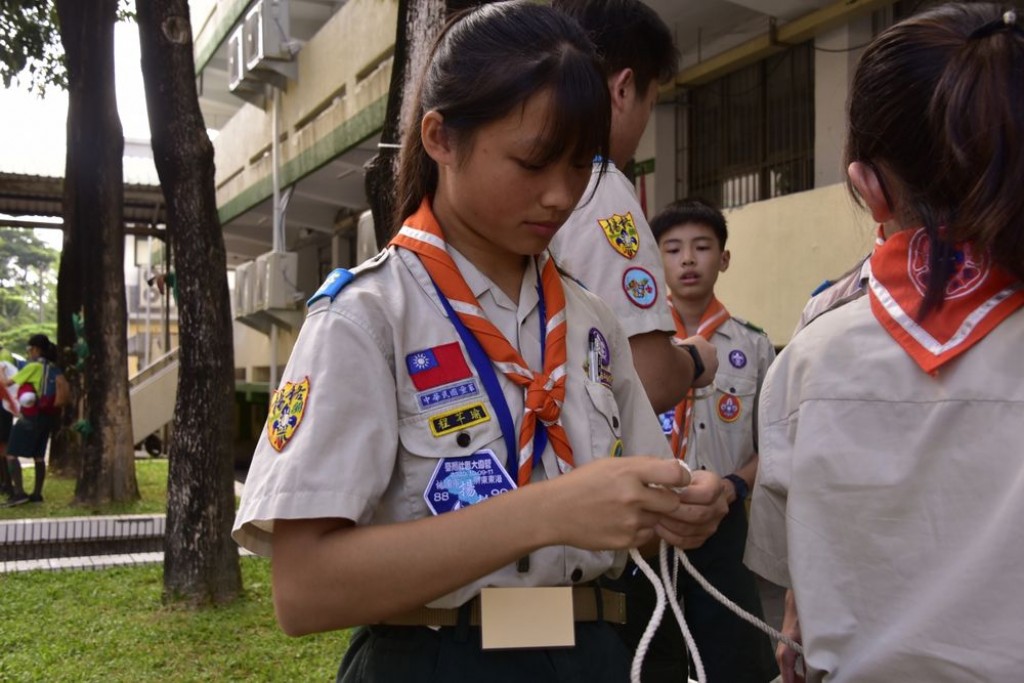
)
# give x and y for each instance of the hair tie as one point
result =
(1007, 21)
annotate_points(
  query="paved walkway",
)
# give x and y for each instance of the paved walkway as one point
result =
(57, 532)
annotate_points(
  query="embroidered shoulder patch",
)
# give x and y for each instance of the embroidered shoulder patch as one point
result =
(621, 233)
(286, 411)
(640, 287)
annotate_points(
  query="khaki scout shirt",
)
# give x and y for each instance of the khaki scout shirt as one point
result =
(364, 449)
(608, 246)
(722, 429)
(891, 501)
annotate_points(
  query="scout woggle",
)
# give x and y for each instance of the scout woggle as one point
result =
(665, 593)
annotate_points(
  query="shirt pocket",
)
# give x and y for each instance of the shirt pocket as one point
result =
(732, 403)
(424, 440)
(605, 422)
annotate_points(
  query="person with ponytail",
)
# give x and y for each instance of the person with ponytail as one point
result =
(41, 393)
(439, 464)
(891, 482)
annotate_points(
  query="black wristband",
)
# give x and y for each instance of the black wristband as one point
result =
(740, 484)
(698, 364)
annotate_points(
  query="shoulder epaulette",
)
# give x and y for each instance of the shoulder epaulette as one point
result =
(749, 325)
(341, 278)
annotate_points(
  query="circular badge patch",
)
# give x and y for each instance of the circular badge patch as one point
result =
(640, 287)
(737, 358)
(729, 408)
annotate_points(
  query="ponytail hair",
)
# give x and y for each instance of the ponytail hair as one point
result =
(937, 106)
(47, 349)
(490, 60)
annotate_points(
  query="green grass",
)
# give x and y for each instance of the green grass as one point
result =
(58, 494)
(109, 626)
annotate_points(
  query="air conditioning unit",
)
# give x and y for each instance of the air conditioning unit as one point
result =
(276, 274)
(243, 288)
(267, 43)
(240, 80)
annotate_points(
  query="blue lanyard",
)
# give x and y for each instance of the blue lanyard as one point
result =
(482, 362)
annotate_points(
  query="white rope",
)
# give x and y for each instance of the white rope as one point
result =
(665, 592)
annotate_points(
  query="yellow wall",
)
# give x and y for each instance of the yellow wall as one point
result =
(783, 248)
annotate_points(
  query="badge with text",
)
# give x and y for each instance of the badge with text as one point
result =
(458, 418)
(640, 287)
(449, 393)
(468, 480)
(729, 408)
(437, 366)
(621, 233)
(286, 411)
(737, 358)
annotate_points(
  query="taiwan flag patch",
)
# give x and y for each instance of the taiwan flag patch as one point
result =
(437, 366)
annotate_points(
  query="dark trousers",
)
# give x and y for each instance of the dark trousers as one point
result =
(417, 654)
(732, 650)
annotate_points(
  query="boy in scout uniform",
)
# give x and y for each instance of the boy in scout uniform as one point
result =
(713, 429)
(607, 243)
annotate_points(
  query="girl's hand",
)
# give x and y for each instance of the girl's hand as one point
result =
(609, 504)
(702, 505)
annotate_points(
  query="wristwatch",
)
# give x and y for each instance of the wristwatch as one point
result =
(698, 364)
(740, 484)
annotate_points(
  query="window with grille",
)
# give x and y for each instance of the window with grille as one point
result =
(749, 135)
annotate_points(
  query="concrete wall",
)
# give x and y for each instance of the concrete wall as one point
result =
(336, 102)
(783, 248)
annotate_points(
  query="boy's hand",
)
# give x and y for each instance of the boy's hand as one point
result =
(702, 506)
(708, 355)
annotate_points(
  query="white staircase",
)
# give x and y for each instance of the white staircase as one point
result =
(153, 392)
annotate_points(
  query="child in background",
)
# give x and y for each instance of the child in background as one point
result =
(441, 447)
(713, 429)
(891, 482)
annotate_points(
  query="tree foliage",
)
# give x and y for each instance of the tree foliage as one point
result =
(28, 280)
(30, 50)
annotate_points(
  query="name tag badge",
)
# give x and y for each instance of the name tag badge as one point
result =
(526, 617)
(463, 481)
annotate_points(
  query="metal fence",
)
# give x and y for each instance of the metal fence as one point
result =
(749, 135)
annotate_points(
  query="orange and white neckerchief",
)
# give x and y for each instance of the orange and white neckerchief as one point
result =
(545, 391)
(980, 295)
(682, 421)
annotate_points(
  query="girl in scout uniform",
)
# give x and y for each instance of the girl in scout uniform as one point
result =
(438, 462)
(891, 483)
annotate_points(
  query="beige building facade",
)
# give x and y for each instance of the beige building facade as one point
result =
(753, 121)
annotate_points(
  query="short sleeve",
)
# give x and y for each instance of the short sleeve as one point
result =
(330, 443)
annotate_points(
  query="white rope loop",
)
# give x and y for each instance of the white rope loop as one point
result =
(665, 592)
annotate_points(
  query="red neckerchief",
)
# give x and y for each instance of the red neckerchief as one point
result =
(712, 318)
(979, 296)
(545, 391)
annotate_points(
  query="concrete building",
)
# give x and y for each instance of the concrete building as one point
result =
(754, 120)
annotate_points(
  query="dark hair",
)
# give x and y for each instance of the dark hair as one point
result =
(690, 210)
(937, 107)
(627, 34)
(45, 346)
(490, 60)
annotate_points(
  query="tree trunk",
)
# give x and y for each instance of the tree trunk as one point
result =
(200, 559)
(93, 208)
(419, 24)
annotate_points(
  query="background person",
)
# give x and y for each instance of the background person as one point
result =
(30, 435)
(713, 429)
(890, 486)
(607, 243)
